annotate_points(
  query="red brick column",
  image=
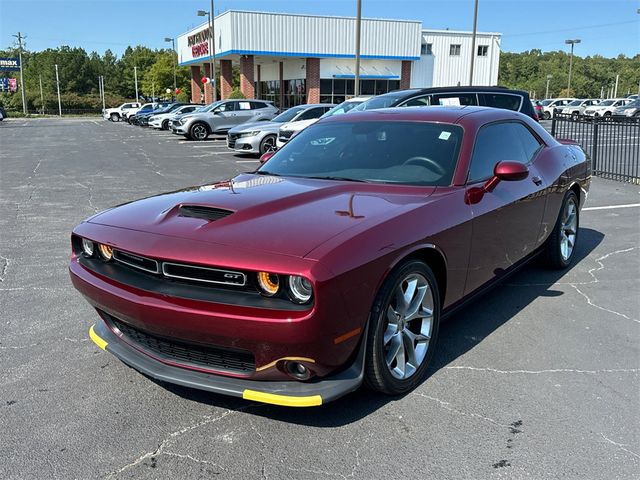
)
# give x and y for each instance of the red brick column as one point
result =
(226, 78)
(246, 76)
(196, 91)
(208, 87)
(405, 75)
(313, 80)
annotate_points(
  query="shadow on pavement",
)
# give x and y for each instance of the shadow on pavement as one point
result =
(459, 334)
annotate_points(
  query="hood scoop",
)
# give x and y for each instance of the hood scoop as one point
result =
(201, 211)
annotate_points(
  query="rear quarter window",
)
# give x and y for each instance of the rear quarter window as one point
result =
(499, 100)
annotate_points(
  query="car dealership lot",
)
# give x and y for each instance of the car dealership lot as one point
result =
(538, 379)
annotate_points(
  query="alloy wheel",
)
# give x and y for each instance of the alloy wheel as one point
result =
(409, 324)
(199, 132)
(268, 145)
(568, 229)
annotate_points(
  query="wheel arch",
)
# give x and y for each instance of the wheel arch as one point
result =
(434, 258)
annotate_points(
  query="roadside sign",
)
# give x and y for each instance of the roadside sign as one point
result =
(9, 64)
(8, 85)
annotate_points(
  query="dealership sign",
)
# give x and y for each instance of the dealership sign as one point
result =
(199, 43)
(8, 85)
(9, 64)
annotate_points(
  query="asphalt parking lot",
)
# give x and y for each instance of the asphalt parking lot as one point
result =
(538, 379)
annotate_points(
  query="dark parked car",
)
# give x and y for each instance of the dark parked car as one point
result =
(497, 97)
(147, 109)
(333, 263)
(3, 113)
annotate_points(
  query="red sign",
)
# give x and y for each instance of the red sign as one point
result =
(200, 49)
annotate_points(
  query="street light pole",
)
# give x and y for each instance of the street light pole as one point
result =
(572, 43)
(473, 41)
(356, 78)
(22, 91)
(175, 83)
(58, 85)
(212, 53)
(41, 96)
(549, 77)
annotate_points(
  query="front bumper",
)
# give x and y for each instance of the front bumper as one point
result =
(245, 144)
(285, 393)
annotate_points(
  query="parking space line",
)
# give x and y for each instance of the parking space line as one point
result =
(209, 146)
(611, 207)
(247, 161)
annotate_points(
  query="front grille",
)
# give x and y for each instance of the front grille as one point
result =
(231, 139)
(216, 358)
(143, 263)
(285, 135)
(206, 213)
(203, 274)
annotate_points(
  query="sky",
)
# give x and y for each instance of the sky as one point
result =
(605, 27)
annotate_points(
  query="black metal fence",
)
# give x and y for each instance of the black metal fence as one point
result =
(613, 143)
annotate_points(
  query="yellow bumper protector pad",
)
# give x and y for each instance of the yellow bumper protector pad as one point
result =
(284, 400)
(96, 339)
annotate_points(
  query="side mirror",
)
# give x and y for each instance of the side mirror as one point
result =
(266, 156)
(511, 171)
(503, 171)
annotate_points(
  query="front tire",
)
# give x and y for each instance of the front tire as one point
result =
(114, 117)
(199, 131)
(267, 144)
(165, 125)
(562, 241)
(403, 329)
(546, 115)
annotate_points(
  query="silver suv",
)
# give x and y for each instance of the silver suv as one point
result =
(220, 117)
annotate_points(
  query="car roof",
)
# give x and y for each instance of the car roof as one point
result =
(443, 114)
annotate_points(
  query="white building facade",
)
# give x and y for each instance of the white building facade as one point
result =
(294, 59)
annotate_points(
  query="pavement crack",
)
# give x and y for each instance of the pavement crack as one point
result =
(621, 446)
(539, 372)
(167, 441)
(189, 457)
(5, 266)
(600, 307)
(447, 406)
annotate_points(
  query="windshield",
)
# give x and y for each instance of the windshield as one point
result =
(344, 107)
(575, 103)
(606, 103)
(546, 102)
(381, 101)
(288, 115)
(211, 106)
(634, 104)
(399, 152)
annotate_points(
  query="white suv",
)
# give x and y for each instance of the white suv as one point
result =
(550, 105)
(606, 108)
(118, 113)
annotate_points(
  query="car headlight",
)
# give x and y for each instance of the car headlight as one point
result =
(269, 283)
(249, 134)
(87, 247)
(106, 251)
(300, 289)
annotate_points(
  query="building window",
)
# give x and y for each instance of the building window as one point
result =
(337, 90)
(426, 49)
(454, 50)
(294, 92)
(483, 50)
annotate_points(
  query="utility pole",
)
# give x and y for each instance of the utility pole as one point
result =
(356, 79)
(473, 41)
(104, 107)
(602, 92)
(213, 53)
(22, 91)
(58, 85)
(572, 43)
(41, 96)
(175, 82)
(615, 92)
(549, 77)
(135, 75)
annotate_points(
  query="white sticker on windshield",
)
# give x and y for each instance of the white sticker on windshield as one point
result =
(444, 135)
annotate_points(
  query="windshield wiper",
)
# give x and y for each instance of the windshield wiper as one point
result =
(264, 172)
(345, 179)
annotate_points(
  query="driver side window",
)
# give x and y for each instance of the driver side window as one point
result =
(495, 143)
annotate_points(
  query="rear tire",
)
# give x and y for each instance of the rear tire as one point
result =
(165, 125)
(546, 115)
(403, 329)
(198, 131)
(561, 244)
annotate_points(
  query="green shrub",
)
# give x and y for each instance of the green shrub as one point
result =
(236, 93)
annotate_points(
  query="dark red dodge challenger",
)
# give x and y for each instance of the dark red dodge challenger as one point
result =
(333, 264)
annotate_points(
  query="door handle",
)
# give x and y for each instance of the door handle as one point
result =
(537, 181)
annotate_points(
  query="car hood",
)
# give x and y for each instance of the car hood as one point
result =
(261, 126)
(273, 214)
(300, 125)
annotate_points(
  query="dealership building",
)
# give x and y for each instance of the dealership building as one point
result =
(294, 59)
